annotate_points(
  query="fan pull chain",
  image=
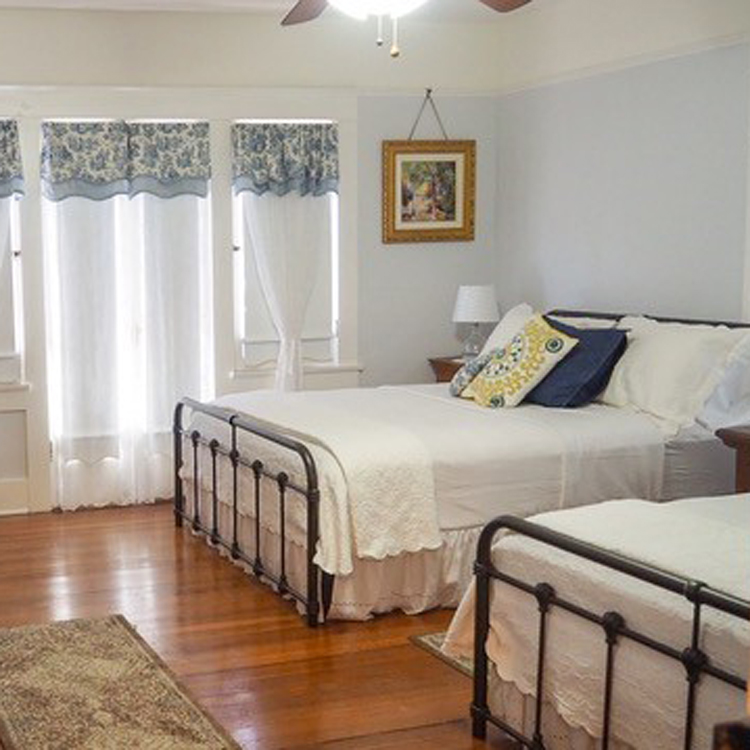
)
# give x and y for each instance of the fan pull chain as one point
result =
(379, 40)
(395, 51)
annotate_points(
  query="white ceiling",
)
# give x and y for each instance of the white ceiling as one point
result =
(465, 10)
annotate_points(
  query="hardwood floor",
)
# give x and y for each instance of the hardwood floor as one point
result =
(245, 655)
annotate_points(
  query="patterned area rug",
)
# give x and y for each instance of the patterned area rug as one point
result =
(95, 685)
(432, 642)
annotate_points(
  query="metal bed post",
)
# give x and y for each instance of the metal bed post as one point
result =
(544, 594)
(195, 437)
(479, 707)
(179, 501)
(234, 457)
(257, 468)
(313, 510)
(693, 658)
(214, 448)
(613, 623)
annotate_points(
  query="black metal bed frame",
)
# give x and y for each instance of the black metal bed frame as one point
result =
(694, 660)
(317, 599)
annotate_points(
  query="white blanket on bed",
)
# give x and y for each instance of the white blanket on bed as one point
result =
(390, 494)
(398, 464)
(704, 539)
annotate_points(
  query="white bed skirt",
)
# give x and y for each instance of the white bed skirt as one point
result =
(509, 704)
(411, 582)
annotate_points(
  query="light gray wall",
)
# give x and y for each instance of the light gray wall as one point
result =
(407, 291)
(627, 191)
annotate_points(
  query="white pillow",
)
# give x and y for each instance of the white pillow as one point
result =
(510, 324)
(729, 403)
(670, 369)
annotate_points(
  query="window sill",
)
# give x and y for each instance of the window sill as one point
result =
(14, 387)
(308, 368)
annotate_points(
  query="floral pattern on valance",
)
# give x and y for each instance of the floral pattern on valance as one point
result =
(86, 159)
(11, 172)
(169, 158)
(99, 160)
(284, 157)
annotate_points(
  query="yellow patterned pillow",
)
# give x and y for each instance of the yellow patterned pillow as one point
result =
(520, 365)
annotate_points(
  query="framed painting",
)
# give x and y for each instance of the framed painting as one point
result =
(428, 191)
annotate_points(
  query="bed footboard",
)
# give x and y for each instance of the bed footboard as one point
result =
(317, 598)
(694, 661)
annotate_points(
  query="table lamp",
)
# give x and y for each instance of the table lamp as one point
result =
(475, 305)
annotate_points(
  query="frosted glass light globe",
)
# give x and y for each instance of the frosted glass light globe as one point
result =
(361, 9)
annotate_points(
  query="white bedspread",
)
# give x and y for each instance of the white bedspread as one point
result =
(387, 470)
(704, 539)
(398, 464)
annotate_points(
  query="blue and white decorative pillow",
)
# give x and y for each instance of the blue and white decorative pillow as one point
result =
(514, 370)
(468, 372)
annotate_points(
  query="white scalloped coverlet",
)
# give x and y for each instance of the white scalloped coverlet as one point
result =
(398, 464)
(373, 470)
(705, 539)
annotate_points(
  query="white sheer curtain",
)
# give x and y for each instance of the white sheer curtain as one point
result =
(129, 325)
(287, 235)
(177, 336)
(7, 328)
(85, 319)
(11, 188)
(285, 174)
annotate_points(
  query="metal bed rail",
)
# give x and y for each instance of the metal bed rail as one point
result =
(319, 585)
(614, 627)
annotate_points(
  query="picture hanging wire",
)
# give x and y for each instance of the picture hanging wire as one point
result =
(428, 99)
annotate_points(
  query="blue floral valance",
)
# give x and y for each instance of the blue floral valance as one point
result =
(88, 159)
(11, 173)
(99, 160)
(169, 158)
(281, 157)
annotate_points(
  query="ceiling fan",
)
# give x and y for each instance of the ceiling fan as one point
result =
(308, 10)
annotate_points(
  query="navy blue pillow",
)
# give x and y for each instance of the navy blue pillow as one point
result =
(584, 373)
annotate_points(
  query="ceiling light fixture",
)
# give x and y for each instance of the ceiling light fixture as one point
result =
(394, 9)
(307, 10)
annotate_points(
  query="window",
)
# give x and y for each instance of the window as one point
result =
(303, 157)
(127, 252)
(257, 335)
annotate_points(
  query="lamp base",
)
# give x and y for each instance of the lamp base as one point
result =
(473, 343)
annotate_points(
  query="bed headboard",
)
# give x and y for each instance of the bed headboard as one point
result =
(617, 316)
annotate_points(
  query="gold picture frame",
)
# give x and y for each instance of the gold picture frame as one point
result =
(428, 191)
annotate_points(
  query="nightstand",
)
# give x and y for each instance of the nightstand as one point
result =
(445, 367)
(732, 736)
(739, 439)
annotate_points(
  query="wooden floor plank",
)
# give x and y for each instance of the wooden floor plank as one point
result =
(247, 656)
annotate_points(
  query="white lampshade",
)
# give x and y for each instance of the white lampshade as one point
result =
(476, 304)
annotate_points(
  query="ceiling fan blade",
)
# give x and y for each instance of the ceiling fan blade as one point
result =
(504, 6)
(304, 10)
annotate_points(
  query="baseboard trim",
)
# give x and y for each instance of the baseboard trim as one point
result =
(14, 497)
